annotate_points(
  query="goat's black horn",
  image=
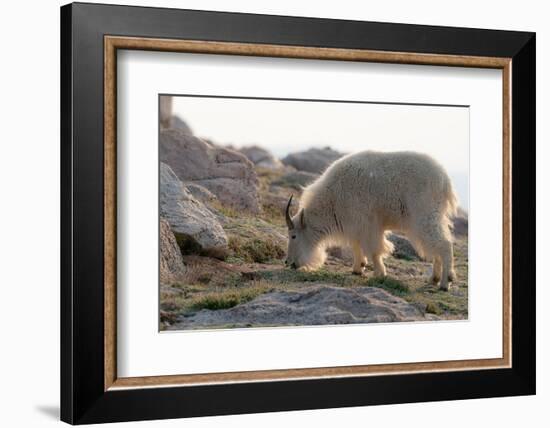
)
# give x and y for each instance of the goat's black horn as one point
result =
(287, 214)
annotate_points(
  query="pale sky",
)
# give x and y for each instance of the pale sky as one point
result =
(289, 126)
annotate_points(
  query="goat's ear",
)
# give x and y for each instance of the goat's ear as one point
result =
(302, 219)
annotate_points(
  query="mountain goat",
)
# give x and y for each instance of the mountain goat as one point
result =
(363, 195)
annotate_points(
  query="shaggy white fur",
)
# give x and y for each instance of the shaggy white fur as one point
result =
(362, 196)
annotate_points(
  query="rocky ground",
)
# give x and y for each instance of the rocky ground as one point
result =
(223, 242)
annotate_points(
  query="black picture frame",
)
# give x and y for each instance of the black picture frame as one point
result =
(83, 398)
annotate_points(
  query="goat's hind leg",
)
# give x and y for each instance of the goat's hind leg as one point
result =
(447, 272)
(436, 241)
(436, 270)
(379, 268)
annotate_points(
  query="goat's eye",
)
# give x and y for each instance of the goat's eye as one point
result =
(293, 236)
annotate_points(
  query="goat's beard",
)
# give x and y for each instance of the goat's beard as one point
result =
(315, 260)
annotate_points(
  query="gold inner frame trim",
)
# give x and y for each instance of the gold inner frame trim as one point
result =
(113, 43)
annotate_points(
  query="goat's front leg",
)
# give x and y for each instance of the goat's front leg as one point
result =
(359, 259)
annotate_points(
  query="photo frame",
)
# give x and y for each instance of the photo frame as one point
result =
(92, 390)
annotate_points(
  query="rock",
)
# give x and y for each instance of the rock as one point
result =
(226, 173)
(460, 223)
(344, 254)
(200, 192)
(295, 179)
(167, 117)
(312, 160)
(262, 158)
(312, 305)
(178, 123)
(402, 248)
(189, 218)
(172, 268)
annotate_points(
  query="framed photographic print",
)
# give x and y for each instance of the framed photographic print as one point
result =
(265, 213)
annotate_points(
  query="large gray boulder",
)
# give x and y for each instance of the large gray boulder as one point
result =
(295, 179)
(312, 305)
(189, 218)
(226, 173)
(177, 122)
(312, 160)
(402, 248)
(167, 117)
(262, 158)
(200, 192)
(172, 268)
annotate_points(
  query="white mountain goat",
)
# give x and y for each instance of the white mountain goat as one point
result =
(363, 195)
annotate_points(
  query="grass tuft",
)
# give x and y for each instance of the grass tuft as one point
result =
(433, 308)
(286, 276)
(226, 299)
(255, 250)
(392, 285)
(227, 211)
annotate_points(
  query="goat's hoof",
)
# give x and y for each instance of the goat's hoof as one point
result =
(452, 276)
(357, 272)
(444, 286)
(435, 279)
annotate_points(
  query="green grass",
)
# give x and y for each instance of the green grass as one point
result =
(392, 285)
(215, 301)
(343, 279)
(452, 303)
(227, 211)
(433, 308)
(247, 247)
(262, 251)
(197, 297)
(225, 299)
(286, 276)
